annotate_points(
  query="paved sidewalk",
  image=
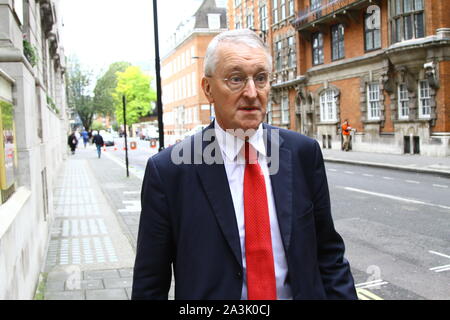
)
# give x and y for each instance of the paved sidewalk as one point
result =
(88, 256)
(406, 162)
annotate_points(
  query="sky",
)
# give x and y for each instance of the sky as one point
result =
(100, 32)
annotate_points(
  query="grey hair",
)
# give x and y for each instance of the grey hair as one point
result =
(242, 36)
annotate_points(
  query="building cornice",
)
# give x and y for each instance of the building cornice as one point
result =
(290, 83)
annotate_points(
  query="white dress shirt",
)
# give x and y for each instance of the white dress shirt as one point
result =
(234, 162)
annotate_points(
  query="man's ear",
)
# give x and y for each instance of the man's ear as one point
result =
(206, 86)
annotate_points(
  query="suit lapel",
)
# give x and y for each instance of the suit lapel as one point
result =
(215, 184)
(281, 181)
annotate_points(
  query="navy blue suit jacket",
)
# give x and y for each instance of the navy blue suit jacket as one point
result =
(188, 220)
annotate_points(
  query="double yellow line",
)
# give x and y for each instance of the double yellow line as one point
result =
(364, 294)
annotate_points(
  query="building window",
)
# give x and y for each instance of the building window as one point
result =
(263, 18)
(373, 101)
(407, 20)
(315, 4)
(292, 62)
(269, 113)
(250, 20)
(328, 105)
(285, 110)
(291, 8)
(278, 56)
(337, 42)
(237, 3)
(214, 21)
(372, 31)
(275, 11)
(403, 102)
(424, 99)
(283, 9)
(317, 41)
(7, 146)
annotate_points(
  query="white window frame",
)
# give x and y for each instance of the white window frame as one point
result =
(403, 102)
(424, 99)
(318, 48)
(263, 17)
(283, 9)
(291, 8)
(292, 59)
(285, 110)
(328, 99)
(373, 101)
(269, 113)
(275, 11)
(250, 20)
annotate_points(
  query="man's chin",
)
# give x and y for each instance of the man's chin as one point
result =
(250, 125)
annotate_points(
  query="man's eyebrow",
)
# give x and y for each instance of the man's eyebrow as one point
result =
(259, 69)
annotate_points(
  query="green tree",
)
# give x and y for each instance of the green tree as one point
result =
(104, 89)
(135, 86)
(78, 94)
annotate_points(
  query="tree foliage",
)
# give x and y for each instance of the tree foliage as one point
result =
(104, 89)
(135, 86)
(78, 95)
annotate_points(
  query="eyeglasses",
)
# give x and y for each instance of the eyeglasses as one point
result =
(239, 81)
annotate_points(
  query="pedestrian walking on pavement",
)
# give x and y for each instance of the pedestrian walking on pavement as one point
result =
(72, 141)
(238, 228)
(85, 136)
(98, 140)
(346, 130)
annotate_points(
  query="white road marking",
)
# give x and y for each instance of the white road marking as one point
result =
(131, 192)
(388, 178)
(370, 284)
(439, 254)
(349, 172)
(367, 175)
(440, 186)
(446, 267)
(388, 196)
(333, 170)
(412, 181)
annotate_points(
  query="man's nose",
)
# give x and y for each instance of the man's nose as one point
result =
(250, 89)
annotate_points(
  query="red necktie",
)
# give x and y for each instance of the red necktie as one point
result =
(261, 283)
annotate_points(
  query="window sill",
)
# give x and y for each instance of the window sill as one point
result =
(332, 122)
(11, 208)
(372, 121)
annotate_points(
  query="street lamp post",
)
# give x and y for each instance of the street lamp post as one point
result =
(158, 78)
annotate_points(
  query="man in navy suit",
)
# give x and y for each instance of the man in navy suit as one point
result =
(242, 209)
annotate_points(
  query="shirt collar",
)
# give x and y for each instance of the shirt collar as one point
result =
(231, 145)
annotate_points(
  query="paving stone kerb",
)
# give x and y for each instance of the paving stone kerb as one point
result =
(410, 163)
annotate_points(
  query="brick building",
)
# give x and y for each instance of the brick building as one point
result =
(185, 107)
(382, 64)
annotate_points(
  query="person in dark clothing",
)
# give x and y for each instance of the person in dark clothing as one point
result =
(98, 140)
(72, 141)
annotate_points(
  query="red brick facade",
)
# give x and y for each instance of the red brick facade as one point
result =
(391, 81)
